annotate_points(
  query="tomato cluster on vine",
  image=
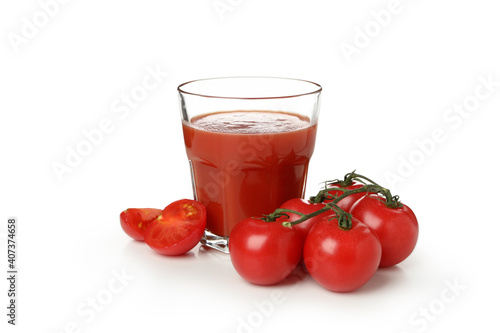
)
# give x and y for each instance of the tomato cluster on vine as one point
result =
(343, 235)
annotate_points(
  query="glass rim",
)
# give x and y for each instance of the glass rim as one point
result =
(184, 91)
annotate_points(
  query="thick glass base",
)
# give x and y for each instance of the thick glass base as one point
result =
(213, 241)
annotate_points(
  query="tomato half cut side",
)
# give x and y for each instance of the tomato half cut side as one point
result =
(178, 228)
(134, 221)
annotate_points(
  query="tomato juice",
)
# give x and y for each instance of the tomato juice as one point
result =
(247, 163)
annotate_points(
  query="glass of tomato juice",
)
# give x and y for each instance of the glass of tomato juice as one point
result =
(248, 141)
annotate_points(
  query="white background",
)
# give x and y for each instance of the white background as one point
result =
(396, 90)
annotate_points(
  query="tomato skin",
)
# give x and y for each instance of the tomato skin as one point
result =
(135, 220)
(178, 229)
(397, 228)
(350, 200)
(264, 253)
(341, 260)
(304, 207)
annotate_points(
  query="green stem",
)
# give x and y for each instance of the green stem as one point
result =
(365, 188)
(303, 217)
(324, 195)
(355, 176)
(344, 218)
(391, 201)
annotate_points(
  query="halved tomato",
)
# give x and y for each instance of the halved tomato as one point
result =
(135, 220)
(178, 229)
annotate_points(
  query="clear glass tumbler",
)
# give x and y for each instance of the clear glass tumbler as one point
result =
(248, 141)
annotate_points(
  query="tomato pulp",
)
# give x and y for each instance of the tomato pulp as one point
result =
(247, 163)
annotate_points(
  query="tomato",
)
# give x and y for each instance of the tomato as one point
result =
(341, 260)
(397, 228)
(348, 201)
(264, 253)
(135, 220)
(304, 207)
(178, 229)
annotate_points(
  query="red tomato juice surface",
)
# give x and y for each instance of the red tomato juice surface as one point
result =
(247, 163)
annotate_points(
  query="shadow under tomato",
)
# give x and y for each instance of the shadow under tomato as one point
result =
(138, 251)
(295, 277)
(187, 255)
(383, 278)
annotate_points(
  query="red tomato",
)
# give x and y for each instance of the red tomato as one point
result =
(178, 229)
(341, 260)
(264, 253)
(304, 207)
(348, 201)
(135, 220)
(397, 228)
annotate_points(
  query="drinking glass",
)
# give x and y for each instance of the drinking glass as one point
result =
(248, 141)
